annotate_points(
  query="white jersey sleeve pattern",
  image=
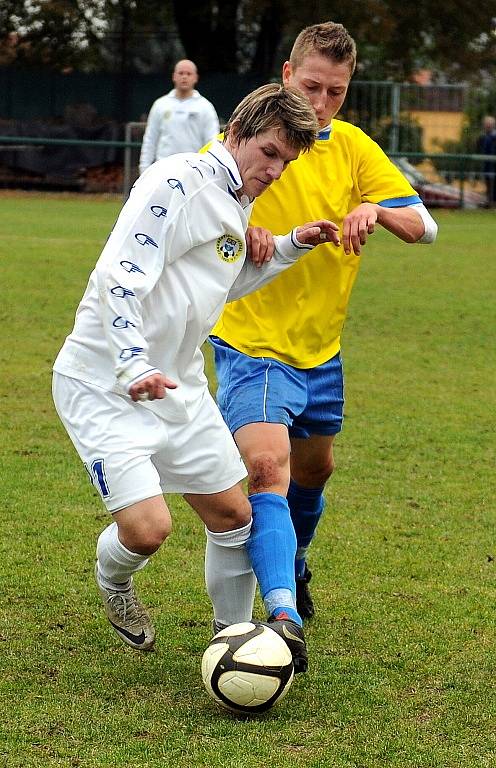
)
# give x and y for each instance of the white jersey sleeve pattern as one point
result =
(162, 278)
(204, 216)
(131, 264)
(153, 231)
(175, 207)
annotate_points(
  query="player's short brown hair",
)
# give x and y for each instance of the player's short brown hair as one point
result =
(327, 39)
(275, 106)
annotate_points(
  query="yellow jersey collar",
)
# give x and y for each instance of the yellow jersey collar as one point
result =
(324, 133)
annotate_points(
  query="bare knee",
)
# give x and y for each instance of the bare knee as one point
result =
(314, 476)
(144, 533)
(236, 516)
(323, 472)
(268, 473)
(224, 511)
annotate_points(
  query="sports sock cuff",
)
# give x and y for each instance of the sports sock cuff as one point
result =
(274, 499)
(116, 563)
(110, 546)
(122, 554)
(235, 538)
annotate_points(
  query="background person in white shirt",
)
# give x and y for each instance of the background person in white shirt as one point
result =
(181, 121)
(176, 254)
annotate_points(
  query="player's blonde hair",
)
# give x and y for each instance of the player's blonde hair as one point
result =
(274, 106)
(327, 39)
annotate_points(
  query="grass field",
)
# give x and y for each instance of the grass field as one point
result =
(403, 649)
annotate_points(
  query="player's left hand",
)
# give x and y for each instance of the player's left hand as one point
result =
(152, 387)
(357, 226)
(317, 232)
(259, 245)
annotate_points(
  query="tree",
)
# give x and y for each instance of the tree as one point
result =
(454, 38)
(55, 34)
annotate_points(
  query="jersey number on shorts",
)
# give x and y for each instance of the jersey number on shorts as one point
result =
(97, 476)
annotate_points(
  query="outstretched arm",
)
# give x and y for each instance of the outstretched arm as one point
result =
(412, 224)
(288, 248)
(260, 242)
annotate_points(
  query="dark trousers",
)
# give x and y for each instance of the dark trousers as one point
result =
(490, 179)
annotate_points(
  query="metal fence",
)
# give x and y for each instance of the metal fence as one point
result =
(405, 117)
(430, 130)
(428, 173)
(423, 123)
(377, 106)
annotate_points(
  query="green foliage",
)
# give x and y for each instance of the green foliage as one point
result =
(394, 39)
(53, 34)
(408, 133)
(402, 647)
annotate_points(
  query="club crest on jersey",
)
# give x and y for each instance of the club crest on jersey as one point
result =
(229, 248)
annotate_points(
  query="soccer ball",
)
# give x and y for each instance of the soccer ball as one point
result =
(247, 668)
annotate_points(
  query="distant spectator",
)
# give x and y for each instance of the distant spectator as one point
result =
(181, 121)
(486, 145)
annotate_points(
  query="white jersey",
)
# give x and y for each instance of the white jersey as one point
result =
(177, 253)
(177, 125)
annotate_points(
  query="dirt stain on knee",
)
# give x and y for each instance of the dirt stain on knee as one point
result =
(265, 473)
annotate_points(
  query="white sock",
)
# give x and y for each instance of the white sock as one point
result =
(116, 564)
(229, 577)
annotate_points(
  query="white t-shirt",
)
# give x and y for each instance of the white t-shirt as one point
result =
(177, 125)
(176, 254)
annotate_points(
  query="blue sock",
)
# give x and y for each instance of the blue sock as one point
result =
(271, 549)
(306, 506)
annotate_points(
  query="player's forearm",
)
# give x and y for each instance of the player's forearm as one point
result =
(287, 252)
(410, 223)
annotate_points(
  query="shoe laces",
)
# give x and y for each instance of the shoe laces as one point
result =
(127, 606)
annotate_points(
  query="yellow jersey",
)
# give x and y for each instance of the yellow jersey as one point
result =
(299, 316)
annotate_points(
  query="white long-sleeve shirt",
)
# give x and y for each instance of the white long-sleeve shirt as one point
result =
(177, 253)
(177, 125)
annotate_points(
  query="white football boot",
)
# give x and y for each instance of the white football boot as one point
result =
(127, 616)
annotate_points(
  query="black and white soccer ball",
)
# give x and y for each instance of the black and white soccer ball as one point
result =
(247, 668)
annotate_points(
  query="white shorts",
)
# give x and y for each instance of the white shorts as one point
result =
(131, 454)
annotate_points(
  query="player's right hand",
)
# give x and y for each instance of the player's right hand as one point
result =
(259, 245)
(151, 388)
(358, 225)
(317, 232)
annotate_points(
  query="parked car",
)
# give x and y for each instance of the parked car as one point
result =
(436, 195)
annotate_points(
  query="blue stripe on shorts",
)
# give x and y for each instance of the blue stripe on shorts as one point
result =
(262, 389)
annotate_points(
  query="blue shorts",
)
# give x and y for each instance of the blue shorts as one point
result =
(261, 389)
